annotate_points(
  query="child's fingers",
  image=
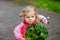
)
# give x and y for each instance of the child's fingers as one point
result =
(22, 39)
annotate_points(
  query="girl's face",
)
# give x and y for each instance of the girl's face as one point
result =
(30, 17)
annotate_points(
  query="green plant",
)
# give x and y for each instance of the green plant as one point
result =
(36, 32)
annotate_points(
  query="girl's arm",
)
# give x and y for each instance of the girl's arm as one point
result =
(17, 32)
(43, 18)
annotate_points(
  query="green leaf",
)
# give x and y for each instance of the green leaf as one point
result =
(33, 32)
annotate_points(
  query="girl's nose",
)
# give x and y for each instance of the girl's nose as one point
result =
(30, 18)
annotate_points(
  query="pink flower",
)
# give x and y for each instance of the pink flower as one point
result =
(43, 18)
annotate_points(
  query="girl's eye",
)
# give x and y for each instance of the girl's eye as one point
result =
(27, 17)
(32, 16)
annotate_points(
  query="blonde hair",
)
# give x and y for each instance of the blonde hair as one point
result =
(28, 9)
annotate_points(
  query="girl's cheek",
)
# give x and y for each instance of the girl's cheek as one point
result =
(26, 19)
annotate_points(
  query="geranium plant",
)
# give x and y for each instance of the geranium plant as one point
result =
(36, 32)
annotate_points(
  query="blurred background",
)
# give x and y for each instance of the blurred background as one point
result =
(53, 5)
(10, 10)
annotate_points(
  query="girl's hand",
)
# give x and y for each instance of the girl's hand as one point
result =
(22, 39)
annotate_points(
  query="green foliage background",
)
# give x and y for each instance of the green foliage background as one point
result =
(53, 5)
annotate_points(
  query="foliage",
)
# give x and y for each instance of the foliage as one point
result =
(53, 5)
(36, 32)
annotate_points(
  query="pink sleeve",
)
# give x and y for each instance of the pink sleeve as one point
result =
(17, 31)
(43, 18)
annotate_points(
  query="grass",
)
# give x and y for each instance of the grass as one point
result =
(53, 5)
(47, 4)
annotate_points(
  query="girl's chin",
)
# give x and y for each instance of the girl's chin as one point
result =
(30, 23)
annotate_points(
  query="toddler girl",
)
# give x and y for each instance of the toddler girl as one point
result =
(29, 15)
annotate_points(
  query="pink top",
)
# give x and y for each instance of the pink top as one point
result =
(19, 30)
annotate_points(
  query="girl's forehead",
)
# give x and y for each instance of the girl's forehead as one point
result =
(30, 13)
